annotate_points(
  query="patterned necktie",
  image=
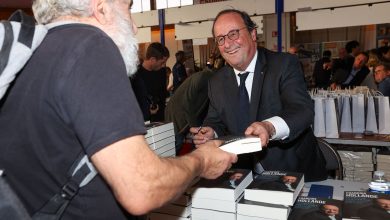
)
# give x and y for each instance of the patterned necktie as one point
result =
(243, 112)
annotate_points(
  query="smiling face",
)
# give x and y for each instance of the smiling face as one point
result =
(238, 53)
(330, 210)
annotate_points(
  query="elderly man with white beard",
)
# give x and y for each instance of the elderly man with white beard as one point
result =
(72, 98)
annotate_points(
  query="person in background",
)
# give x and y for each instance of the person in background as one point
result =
(260, 93)
(188, 106)
(372, 62)
(73, 97)
(384, 53)
(352, 76)
(382, 77)
(179, 70)
(169, 79)
(151, 82)
(322, 70)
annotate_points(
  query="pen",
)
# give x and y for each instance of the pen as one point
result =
(200, 128)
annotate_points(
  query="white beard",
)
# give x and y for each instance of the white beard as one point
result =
(121, 32)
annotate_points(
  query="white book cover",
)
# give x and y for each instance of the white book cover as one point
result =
(215, 204)
(275, 187)
(169, 153)
(161, 136)
(163, 142)
(154, 128)
(240, 144)
(165, 148)
(206, 214)
(229, 186)
(263, 210)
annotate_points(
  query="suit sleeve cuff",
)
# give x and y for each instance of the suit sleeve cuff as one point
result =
(282, 131)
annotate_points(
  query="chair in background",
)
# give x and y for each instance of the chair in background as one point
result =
(334, 165)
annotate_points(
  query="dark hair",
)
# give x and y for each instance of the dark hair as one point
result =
(363, 53)
(386, 65)
(250, 25)
(383, 50)
(350, 45)
(157, 50)
(179, 55)
(327, 53)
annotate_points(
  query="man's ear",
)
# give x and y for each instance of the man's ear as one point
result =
(100, 10)
(254, 34)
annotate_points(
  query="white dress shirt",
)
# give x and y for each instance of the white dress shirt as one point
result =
(282, 131)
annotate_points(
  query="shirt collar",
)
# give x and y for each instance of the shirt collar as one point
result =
(251, 66)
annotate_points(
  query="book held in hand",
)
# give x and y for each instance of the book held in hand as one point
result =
(306, 208)
(275, 187)
(240, 144)
(229, 186)
(366, 205)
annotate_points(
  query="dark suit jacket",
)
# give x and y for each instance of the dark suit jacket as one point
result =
(318, 215)
(373, 213)
(278, 90)
(187, 107)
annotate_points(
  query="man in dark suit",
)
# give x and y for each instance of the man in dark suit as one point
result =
(277, 106)
(353, 75)
(326, 212)
(377, 211)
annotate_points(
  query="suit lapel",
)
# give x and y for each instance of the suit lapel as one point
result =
(257, 85)
(231, 90)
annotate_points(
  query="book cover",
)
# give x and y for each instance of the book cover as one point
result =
(262, 210)
(240, 144)
(366, 205)
(316, 208)
(321, 191)
(229, 186)
(275, 187)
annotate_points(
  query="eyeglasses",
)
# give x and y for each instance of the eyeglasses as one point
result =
(232, 35)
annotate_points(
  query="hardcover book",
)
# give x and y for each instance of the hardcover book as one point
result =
(229, 186)
(366, 205)
(316, 208)
(275, 187)
(262, 210)
(240, 144)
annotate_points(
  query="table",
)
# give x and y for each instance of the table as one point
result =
(375, 140)
(339, 186)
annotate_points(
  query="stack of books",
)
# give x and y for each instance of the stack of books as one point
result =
(358, 166)
(217, 199)
(161, 138)
(180, 209)
(312, 208)
(270, 195)
(383, 162)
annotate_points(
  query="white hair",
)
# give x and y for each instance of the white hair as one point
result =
(45, 11)
(121, 32)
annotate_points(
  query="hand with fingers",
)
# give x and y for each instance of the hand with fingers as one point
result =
(264, 130)
(201, 135)
(214, 160)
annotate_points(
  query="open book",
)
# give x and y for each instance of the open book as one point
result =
(240, 144)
